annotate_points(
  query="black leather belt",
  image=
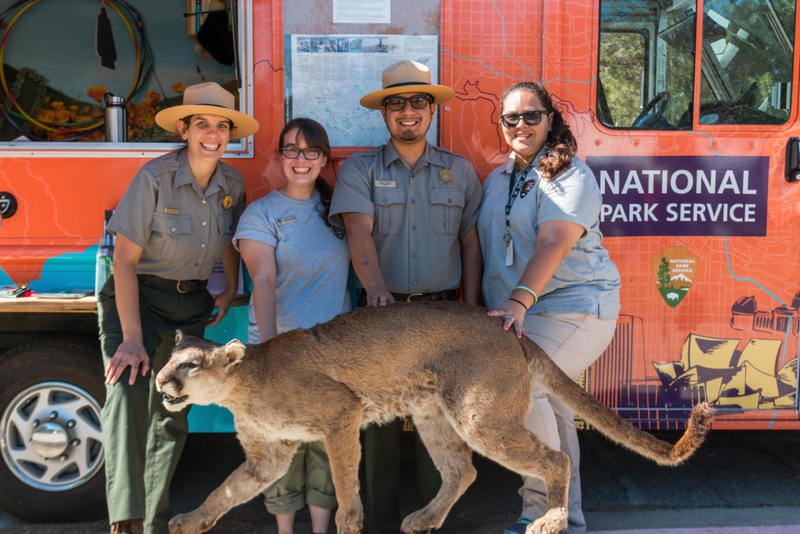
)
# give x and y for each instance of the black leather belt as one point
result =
(449, 294)
(181, 286)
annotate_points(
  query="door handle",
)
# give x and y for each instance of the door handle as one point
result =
(793, 160)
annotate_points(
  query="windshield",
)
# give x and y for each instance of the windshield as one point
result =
(647, 63)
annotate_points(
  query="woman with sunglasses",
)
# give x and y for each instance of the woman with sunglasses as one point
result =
(299, 266)
(546, 271)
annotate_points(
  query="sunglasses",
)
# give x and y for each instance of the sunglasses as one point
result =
(292, 152)
(398, 103)
(531, 118)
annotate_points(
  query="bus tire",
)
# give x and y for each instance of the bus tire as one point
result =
(51, 447)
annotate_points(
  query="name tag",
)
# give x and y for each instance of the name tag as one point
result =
(170, 211)
(385, 183)
(283, 221)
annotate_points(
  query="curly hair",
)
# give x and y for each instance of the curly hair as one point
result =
(316, 137)
(560, 145)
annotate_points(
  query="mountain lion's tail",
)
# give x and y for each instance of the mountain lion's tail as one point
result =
(610, 424)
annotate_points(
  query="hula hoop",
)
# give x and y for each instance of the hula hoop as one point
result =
(92, 124)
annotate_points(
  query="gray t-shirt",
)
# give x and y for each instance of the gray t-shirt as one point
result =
(312, 261)
(586, 281)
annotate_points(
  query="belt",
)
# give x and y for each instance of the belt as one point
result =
(181, 286)
(448, 294)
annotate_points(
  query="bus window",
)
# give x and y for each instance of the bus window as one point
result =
(622, 68)
(747, 61)
(646, 66)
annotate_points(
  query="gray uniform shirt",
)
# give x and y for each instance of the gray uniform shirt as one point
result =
(182, 230)
(418, 214)
(586, 281)
(312, 261)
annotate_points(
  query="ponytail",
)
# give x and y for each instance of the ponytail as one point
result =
(325, 194)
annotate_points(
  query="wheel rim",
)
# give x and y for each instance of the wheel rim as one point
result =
(58, 419)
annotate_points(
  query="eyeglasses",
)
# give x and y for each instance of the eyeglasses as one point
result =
(292, 152)
(398, 103)
(531, 118)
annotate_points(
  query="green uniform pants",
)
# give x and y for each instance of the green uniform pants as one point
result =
(143, 440)
(382, 479)
(308, 481)
(382, 474)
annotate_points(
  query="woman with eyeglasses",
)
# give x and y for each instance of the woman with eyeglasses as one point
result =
(299, 266)
(546, 271)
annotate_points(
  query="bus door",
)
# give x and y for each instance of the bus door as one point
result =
(696, 155)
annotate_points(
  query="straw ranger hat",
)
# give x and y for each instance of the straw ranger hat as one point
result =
(209, 98)
(407, 77)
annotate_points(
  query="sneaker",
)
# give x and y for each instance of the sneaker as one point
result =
(518, 527)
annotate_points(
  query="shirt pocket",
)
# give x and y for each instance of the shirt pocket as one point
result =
(389, 210)
(447, 206)
(225, 223)
(170, 232)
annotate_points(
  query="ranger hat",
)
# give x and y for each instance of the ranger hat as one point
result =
(209, 98)
(407, 77)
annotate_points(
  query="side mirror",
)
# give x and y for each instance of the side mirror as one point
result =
(793, 160)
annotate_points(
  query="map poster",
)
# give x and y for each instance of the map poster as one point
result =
(326, 76)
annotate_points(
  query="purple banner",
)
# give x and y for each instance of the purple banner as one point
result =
(682, 195)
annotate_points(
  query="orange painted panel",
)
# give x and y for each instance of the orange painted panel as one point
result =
(486, 46)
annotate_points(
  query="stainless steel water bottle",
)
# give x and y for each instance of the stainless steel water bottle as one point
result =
(116, 119)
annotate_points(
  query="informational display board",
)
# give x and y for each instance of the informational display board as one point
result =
(333, 58)
(328, 75)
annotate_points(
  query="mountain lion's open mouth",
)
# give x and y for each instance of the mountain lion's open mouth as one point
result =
(174, 400)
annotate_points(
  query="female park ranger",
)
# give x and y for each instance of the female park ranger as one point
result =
(174, 222)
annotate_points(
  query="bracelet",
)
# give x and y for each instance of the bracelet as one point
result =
(518, 302)
(531, 291)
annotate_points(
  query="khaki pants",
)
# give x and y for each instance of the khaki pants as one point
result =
(308, 480)
(143, 440)
(573, 341)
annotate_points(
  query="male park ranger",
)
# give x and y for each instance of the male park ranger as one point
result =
(410, 210)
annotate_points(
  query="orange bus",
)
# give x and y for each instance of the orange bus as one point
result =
(689, 122)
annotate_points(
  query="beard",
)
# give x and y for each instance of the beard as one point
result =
(408, 137)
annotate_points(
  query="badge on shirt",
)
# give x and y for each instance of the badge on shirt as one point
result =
(385, 183)
(227, 202)
(527, 187)
(446, 175)
(338, 232)
(283, 221)
(170, 211)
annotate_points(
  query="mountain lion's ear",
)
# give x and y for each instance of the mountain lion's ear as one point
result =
(234, 352)
(179, 337)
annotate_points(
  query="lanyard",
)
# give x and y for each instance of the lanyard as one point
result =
(513, 193)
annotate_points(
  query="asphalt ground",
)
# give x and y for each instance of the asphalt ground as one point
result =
(739, 482)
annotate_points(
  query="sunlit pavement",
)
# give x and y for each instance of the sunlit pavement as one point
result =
(782, 529)
(785, 529)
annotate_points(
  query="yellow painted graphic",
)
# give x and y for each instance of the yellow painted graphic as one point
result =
(715, 370)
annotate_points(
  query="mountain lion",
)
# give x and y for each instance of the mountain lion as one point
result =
(465, 381)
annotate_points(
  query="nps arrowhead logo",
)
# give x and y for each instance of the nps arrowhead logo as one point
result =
(674, 271)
